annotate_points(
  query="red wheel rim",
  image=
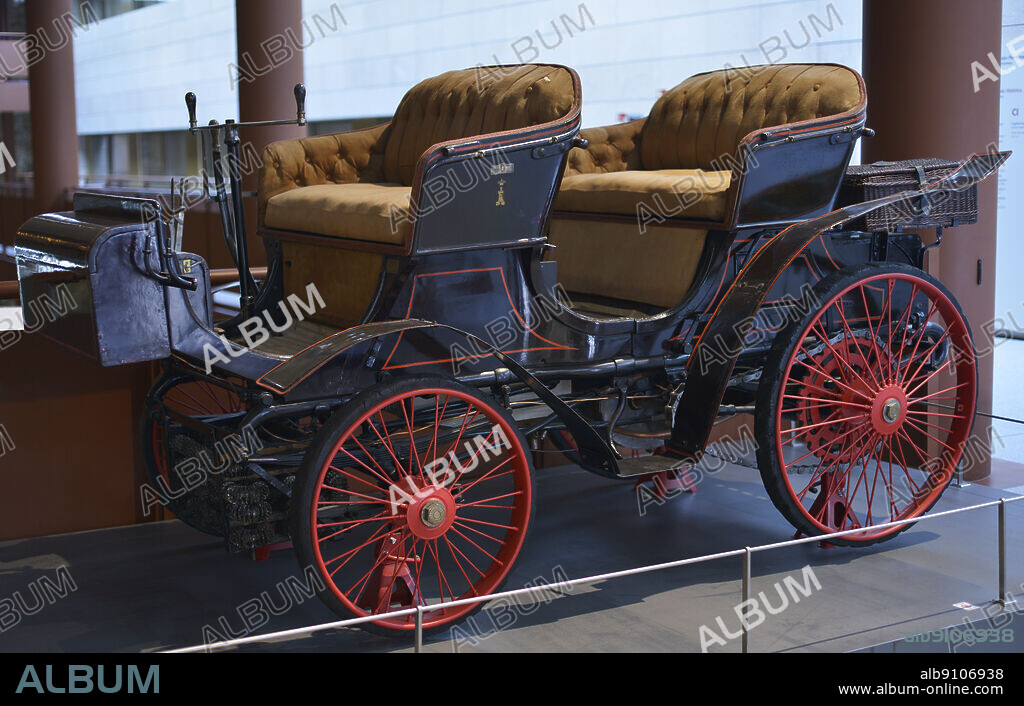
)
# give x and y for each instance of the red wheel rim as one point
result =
(868, 429)
(395, 525)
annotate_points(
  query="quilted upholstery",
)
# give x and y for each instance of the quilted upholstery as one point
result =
(454, 105)
(611, 149)
(460, 104)
(327, 159)
(692, 193)
(700, 122)
(370, 212)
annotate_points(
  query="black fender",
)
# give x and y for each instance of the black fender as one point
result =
(592, 446)
(716, 351)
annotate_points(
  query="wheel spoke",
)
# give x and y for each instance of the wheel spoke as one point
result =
(920, 337)
(462, 490)
(856, 341)
(874, 337)
(923, 431)
(915, 400)
(825, 423)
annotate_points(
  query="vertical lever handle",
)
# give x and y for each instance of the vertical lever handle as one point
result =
(300, 103)
(190, 101)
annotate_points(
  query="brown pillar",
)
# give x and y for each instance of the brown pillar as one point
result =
(270, 34)
(917, 62)
(52, 99)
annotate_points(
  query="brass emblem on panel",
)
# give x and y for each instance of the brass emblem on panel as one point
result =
(501, 193)
(187, 265)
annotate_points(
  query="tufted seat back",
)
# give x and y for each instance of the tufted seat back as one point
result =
(461, 104)
(700, 123)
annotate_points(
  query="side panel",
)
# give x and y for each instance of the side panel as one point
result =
(494, 194)
(130, 311)
(791, 181)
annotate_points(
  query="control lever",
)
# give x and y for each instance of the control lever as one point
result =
(299, 119)
(300, 103)
(190, 101)
(177, 221)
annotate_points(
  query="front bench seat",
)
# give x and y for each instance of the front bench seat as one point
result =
(360, 211)
(358, 185)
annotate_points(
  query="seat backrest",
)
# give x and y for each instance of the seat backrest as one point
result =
(461, 104)
(700, 123)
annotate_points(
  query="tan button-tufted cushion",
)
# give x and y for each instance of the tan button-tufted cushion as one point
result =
(700, 122)
(471, 102)
(359, 211)
(611, 149)
(670, 193)
(327, 159)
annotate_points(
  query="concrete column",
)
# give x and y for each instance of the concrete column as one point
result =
(52, 99)
(922, 103)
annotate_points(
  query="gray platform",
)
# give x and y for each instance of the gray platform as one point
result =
(156, 586)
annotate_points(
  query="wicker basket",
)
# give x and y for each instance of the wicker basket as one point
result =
(872, 181)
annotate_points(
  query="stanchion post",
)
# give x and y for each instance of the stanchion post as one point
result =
(419, 628)
(746, 594)
(1001, 599)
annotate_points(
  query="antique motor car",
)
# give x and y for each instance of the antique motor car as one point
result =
(477, 277)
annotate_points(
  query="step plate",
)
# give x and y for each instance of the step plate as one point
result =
(642, 465)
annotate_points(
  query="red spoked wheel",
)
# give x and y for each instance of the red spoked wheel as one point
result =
(417, 492)
(167, 442)
(866, 403)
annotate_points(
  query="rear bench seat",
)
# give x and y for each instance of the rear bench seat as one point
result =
(676, 171)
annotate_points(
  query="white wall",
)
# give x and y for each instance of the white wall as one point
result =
(132, 70)
(627, 54)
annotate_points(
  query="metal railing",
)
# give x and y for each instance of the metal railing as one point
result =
(747, 579)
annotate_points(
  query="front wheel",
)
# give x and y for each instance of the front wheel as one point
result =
(417, 492)
(866, 403)
(171, 447)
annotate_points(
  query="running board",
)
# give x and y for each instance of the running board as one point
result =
(645, 465)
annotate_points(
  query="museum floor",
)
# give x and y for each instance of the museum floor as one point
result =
(154, 587)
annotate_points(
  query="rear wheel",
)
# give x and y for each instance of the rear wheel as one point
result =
(866, 403)
(417, 492)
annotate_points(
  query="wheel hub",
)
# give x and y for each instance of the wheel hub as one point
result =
(888, 410)
(432, 513)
